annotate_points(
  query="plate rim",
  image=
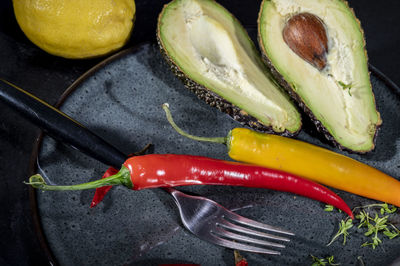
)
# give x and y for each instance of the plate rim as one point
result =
(33, 202)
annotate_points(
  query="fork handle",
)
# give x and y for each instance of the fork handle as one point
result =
(59, 125)
(62, 127)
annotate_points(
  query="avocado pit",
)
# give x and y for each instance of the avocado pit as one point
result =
(323, 64)
(305, 35)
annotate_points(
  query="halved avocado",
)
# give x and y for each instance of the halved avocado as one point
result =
(332, 86)
(210, 51)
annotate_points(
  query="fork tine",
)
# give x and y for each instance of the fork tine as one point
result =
(243, 247)
(213, 223)
(245, 221)
(242, 229)
(227, 234)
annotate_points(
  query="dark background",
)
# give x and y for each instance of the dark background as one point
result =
(47, 77)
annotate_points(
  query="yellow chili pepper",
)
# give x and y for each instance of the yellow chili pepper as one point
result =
(306, 160)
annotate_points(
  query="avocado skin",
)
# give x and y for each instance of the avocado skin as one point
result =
(292, 93)
(214, 99)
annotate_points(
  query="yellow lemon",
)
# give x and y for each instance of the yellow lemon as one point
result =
(76, 28)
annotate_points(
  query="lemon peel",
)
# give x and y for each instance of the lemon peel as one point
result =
(76, 29)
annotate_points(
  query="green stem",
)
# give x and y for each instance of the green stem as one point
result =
(222, 140)
(120, 178)
(361, 260)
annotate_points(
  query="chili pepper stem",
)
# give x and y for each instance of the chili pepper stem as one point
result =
(142, 151)
(222, 140)
(120, 178)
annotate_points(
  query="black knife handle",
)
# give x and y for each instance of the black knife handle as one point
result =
(59, 125)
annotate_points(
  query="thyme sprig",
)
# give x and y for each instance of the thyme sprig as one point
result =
(323, 261)
(344, 227)
(373, 225)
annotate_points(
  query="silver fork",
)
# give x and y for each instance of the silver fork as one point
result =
(203, 217)
(212, 222)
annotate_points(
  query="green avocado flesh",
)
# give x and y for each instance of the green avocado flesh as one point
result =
(213, 51)
(340, 95)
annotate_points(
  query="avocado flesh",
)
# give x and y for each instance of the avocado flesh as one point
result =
(212, 49)
(348, 115)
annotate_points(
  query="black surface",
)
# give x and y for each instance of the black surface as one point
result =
(47, 77)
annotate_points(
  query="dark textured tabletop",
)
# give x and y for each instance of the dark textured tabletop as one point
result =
(47, 77)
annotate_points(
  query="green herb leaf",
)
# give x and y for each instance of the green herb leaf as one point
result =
(328, 208)
(385, 209)
(364, 218)
(390, 234)
(331, 261)
(344, 226)
(345, 86)
(317, 261)
(323, 261)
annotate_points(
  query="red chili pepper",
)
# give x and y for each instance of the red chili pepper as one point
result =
(169, 170)
(239, 259)
(102, 191)
(243, 262)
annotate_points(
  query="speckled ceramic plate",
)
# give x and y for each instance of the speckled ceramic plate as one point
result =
(121, 101)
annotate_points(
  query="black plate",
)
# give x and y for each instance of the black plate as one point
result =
(120, 99)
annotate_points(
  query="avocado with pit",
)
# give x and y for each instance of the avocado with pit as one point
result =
(316, 51)
(211, 52)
